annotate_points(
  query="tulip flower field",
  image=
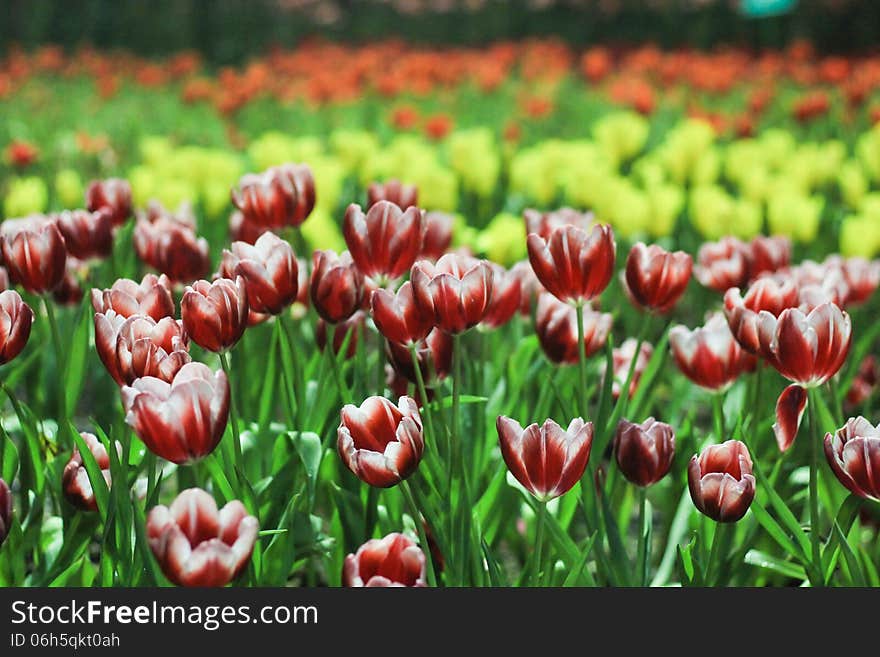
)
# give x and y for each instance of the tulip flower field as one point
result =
(381, 315)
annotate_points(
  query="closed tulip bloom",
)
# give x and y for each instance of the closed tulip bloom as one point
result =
(182, 421)
(5, 511)
(379, 442)
(392, 561)
(34, 253)
(280, 196)
(722, 265)
(864, 382)
(556, 327)
(145, 347)
(4, 279)
(506, 297)
(198, 545)
(708, 355)
(574, 266)
(354, 325)
(721, 482)
(769, 294)
(547, 460)
(107, 325)
(152, 297)
(169, 245)
(69, 292)
(434, 355)
(113, 195)
(437, 235)
(456, 292)
(853, 453)
(398, 318)
(393, 191)
(644, 451)
(75, 480)
(16, 318)
(385, 242)
(86, 234)
(655, 278)
(768, 254)
(215, 314)
(529, 285)
(861, 277)
(244, 230)
(622, 358)
(336, 287)
(269, 269)
(543, 223)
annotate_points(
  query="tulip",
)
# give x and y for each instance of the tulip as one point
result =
(543, 223)
(853, 453)
(455, 293)
(768, 294)
(621, 360)
(556, 327)
(434, 355)
(145, 347)
(243, 230)
(437, 235)
(4, 279)
(506, 297)
(379, 442)
(112, 195)
(547, 460)
(34, 253)
(181, 421)
(393, 191)
(655, 278)
(864, 382)
(722, 265)
(107, 327)
(721, 482)
(644, 451)
(768, 255)
(16, 318)
(391, 561)
(5, 511)
(336, 287)
(168, 243)
(215, 314)
(385, 242)
(69, 291)
(75, 480)
(820, 283)
(86, 234)
(152, 297)
(354, 325)
(398, 318)
(530, 287)
(280, 196)
(269, 269)
(575, 266)
(861, 277)
(708, 355)
(198, 545)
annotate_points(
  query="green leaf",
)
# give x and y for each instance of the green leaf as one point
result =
(856, 573)
(8, 457)
(785, 515)
(308, 446)
(776, 532)
(769, 562)
(76, 358)
(96, 477)
(577, 571)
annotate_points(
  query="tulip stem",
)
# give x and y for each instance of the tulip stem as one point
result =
(297, 385)
(582, 359)
(642, 558)
(423, 397)
(420, 528)
(539, 542)
(815, 542)
(718, 553)
(718, 412)
(345, 394)
(233, 420)
(59, 361)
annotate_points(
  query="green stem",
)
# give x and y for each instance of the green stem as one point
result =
(539, 543)
(420, 528)
(815, 542)
(582, 359)
(233, 420)
(59, 362)
(423, 395)
(341, 387)
(718, 553)
(298, 384)
(641, 554)
(718, 413)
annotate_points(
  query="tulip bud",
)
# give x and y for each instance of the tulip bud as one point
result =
(385, 242)
(391, 561)
(644, 451)
(280, 196)
(456, 292)
(530, 287)
(215, 315)
(152, 297)
(5, 511)
(434, 355)
(243, 230)
(768, 293)
(393, 191)
(34, 253)
(86, 234)
(197, 545)
(145, 347)
(547, 460)
(69, 291)
(112, 195)
(506, 297)
(75, 480)
(379, 442)
(853, 453)
(862, 277)
(543, 223)
(269, 269)
(574, 266)
(655, 278)
(724, 264)
(621, 360)
(708, 355)
(181, 421)
(398, 318)
(721, 482)
(556, 327)
(336, 286)
(864, 382)
(768, 254)
(437, 235)
(168, 243)
(354, 325)
(16, 318)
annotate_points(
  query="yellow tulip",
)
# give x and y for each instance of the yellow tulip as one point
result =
(25, 196)
(69, 188)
